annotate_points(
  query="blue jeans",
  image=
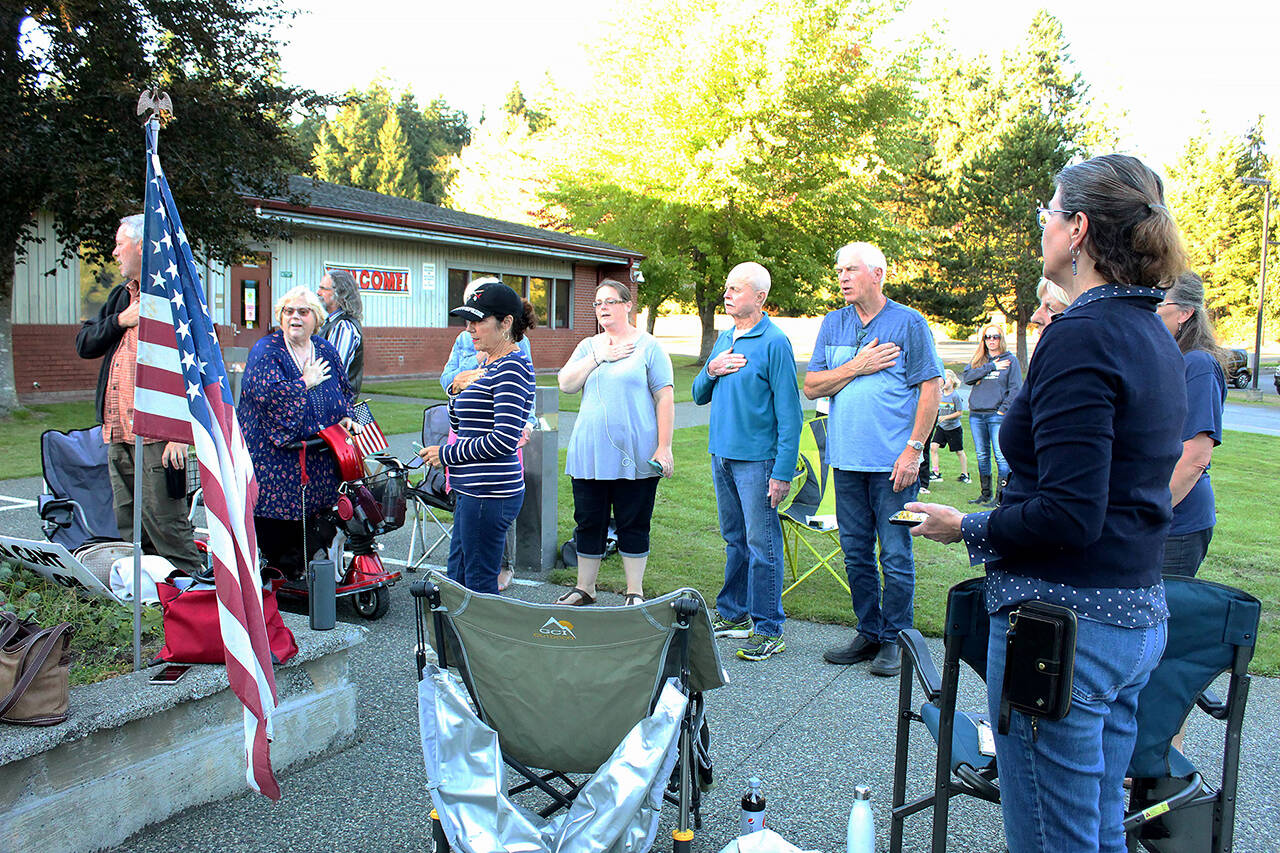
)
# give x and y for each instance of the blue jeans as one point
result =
(479, 535)
(752, 544)
(1062, 786)
(864, 502)
(985, 427)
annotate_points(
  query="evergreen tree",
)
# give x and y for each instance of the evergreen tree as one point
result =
(1221, 221)
(996, 135)
(395, 173)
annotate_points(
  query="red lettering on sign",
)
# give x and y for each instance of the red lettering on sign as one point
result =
(377, 280)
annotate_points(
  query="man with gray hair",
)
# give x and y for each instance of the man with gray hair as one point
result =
(750, 382)
(113, 337)
(876, 360)
(341, 297)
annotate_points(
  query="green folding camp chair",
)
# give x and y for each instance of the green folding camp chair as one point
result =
(809, 508)
(565, 689)
(1173, 808)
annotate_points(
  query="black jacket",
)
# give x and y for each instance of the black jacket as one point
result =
(100, 337)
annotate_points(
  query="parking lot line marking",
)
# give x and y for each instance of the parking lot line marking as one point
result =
(16, 503)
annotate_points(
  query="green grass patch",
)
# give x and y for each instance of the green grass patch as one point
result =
(20, 434)
(686, 548)
(102, 645)
(684, 368)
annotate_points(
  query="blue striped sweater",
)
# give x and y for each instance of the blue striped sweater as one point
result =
(489, 417)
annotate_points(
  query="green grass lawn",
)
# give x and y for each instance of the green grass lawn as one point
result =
(685, 368)
(20, 434)
(686, 548)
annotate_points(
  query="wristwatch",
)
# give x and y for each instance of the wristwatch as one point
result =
(916, 445)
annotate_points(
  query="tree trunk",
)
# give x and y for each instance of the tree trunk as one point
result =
(8, 390)
(707, 314)
(652, 319)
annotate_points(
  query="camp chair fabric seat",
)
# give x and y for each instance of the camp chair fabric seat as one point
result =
(965, 741)
(1212, 629)
(77, 506)
(561, 687)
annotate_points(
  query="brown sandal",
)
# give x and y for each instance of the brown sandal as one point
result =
(583, 598)
(632, 598)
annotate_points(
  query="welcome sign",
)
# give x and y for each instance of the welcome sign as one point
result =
(376, 279)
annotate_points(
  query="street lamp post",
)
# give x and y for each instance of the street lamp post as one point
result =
(1262, 283)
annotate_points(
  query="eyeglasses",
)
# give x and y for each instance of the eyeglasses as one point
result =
(301, 312)
(601, 302)
(991, 337)
(1043, 213)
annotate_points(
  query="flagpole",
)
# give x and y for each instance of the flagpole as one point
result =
(138, 462)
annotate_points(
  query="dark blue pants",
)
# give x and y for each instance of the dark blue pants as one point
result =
(479, 534)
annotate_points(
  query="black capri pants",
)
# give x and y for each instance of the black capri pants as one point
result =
(630, 502)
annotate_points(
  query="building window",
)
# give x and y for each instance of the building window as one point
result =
(96, 282)
(563, 301)
(552, 298)
(458, 281)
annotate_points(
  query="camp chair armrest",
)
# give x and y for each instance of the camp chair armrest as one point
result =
(918, 654)
(1213, 705)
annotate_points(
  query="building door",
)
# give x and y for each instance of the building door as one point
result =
(250, 287)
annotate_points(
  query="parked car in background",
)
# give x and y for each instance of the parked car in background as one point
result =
(1238, 368)
(1276, 378)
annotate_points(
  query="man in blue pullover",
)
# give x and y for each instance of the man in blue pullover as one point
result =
(750, 382)
(877, 361)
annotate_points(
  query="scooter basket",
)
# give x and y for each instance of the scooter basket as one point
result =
(388, 489)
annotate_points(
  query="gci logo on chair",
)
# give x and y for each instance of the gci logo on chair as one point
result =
(557, 628)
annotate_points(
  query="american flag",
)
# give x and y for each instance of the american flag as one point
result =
(178, 349)
(370, 440)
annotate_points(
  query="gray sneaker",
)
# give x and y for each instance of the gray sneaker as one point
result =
(760, 647)
(722, 627)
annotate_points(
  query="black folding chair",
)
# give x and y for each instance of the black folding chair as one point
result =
(430, 496)
(1173, 808)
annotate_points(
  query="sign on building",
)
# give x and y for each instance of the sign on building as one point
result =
(376, 279)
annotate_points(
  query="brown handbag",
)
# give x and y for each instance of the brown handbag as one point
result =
(33, 672)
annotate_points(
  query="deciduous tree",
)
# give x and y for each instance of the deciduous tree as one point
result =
(70, 75)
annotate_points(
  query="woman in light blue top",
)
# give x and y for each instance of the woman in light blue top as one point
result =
(621, 442)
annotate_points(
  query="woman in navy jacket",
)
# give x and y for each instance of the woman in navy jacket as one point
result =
(1091, 442)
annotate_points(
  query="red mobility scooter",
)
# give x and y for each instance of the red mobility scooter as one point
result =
(370, 503)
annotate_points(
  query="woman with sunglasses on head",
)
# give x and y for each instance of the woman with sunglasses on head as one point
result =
(293, 387)
(621, 442)
(489, 416)
(1193, 514)
(996, 376)
(1092, 441)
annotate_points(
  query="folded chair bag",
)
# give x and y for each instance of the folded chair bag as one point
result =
(33, 672)
(192, 633)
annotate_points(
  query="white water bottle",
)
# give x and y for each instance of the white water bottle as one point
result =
(862, 827)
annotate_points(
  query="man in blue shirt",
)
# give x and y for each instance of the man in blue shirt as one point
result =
(750, 382)
(876, 360)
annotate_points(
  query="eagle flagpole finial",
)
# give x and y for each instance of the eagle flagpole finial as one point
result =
(155, 104)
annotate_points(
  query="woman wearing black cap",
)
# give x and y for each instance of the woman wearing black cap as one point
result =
(488, 416)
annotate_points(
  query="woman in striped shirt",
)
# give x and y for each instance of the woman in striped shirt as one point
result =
(488, 416)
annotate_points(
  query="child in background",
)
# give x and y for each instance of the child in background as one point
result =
(948, 433)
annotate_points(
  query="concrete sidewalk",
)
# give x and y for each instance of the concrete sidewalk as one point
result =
(809, 730)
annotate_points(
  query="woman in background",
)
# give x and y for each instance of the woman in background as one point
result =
(463, 368)
(996, 376)
(624, 427)
(489, 417)
(1053, 301)
(1206, 385)
(293, 387)
(1092, 441)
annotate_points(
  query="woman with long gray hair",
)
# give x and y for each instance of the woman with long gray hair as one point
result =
(341, 297)
(1184, 315)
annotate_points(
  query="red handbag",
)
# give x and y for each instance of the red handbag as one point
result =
(192, 633)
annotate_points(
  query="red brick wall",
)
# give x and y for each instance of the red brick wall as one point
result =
(47, 353)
